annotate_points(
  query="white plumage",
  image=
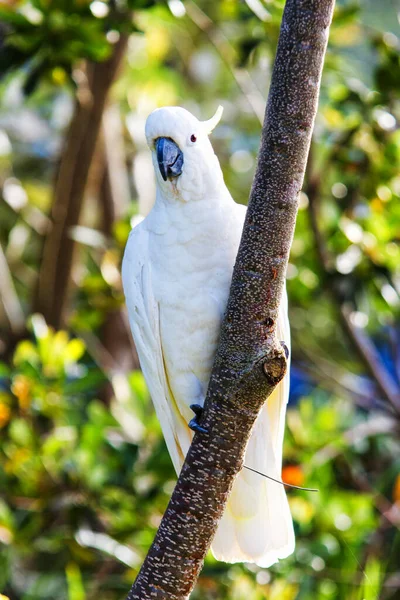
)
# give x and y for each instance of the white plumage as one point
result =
(176, 274)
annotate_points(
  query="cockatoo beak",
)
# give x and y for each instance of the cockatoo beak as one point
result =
(169, 158)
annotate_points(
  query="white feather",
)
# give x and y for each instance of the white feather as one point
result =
(176, 273)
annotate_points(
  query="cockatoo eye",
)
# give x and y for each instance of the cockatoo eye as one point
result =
(193, 138)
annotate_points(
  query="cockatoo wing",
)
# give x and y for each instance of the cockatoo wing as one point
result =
(144, 318)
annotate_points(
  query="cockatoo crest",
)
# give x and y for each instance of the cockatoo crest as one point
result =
(184, 161)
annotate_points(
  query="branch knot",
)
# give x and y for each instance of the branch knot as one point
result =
(275, 366)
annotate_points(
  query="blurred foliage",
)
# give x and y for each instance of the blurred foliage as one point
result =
(84, 472)
(49, 38)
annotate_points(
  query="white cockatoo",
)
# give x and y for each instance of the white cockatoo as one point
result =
(176, 273)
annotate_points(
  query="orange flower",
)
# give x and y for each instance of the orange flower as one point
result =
(21, 388)
(5, 413)
(396, 490)
(293, 474)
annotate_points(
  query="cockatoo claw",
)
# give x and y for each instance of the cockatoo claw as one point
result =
(197, 409)
(194, 425)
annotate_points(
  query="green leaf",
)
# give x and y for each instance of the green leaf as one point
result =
(76, 590)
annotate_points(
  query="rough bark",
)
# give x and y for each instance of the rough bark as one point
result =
(250, 361)
(55, 270)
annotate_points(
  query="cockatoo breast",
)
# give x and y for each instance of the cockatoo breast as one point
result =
(193, 247)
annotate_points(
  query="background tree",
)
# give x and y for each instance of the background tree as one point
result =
(83, 483)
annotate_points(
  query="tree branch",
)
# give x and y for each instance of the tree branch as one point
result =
(250, 362)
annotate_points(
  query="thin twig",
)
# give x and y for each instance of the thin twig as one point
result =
(291, 485)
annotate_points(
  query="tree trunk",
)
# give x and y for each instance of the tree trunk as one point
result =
(113, 198)
(250, 361)
(55, 270)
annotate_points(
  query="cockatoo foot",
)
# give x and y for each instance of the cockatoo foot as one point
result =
(194, 423)
(285, 349)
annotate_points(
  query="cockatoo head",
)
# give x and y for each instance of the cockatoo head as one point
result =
(184, 162)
